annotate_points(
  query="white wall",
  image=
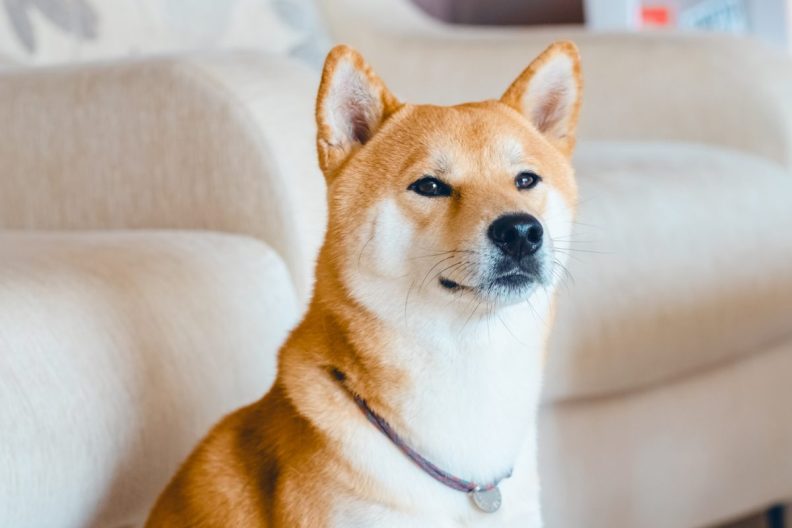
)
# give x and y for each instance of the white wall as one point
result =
(612, 14)
(771, 20)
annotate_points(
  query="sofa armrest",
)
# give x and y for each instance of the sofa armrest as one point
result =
(118, 351)
(220, 142)
(703, 88)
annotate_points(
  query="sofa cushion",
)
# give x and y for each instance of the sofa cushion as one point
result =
(223, 142)
(35, 32)
(6, 62)
(117, 352)
(682, 261)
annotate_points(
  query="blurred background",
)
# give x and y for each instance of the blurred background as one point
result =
(768, 20)
(161, 208)
(45, 31)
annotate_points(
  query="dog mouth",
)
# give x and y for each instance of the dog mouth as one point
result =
(515, 280)
(454, 286)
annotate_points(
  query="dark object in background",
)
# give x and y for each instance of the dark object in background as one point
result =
(776, 517)
(505, 12)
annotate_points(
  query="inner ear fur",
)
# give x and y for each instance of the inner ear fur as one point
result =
(351, 105)
(549, 93)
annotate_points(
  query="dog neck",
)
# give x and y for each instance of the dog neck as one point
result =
(461, 388)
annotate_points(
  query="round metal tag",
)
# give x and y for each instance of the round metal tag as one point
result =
(488, 501)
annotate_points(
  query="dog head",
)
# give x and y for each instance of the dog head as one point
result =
(450, 204)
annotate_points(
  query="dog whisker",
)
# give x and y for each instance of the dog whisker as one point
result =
(407, 299)
(509, 330)
(442, 253)
(583, 250)
(438, 263)
(360, 256)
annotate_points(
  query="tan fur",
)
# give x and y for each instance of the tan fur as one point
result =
(278, 463)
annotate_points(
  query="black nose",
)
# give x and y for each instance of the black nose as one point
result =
(517, 235)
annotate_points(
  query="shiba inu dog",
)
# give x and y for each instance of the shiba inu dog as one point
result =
(408, 394)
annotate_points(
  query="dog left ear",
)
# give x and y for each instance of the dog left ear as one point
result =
(351, 105)
(549, 93)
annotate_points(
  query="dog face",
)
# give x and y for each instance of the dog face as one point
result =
(454, 204)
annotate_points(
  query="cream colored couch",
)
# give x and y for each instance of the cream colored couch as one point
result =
(161, 216)
(159, 221)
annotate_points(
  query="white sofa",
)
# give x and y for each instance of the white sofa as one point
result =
(161, 216)
(159, 220)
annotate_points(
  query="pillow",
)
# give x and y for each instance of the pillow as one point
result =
(58, 31)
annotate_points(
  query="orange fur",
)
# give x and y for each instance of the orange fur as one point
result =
(278, 462)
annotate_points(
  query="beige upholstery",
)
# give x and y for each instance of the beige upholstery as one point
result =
(68, 31)
(118, 350)
(703, 449)
(657, 86)
(220, 142)
(5, 62)
(681, 262)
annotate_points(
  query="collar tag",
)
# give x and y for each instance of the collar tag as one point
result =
(487, 500)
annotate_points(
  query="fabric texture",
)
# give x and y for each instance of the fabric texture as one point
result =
(680, 260)
(60, 31)
(119, 351)
(222, 143)
(700, 451)
(5, 61)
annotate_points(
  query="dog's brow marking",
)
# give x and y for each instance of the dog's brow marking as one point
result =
(441, 163)
(513, 151)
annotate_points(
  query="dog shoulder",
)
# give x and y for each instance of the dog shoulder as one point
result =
(223, 483)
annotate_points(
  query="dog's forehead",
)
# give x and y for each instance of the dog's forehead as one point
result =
(476, 137)
(451, 153)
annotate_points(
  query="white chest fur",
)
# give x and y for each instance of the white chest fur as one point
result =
(471, 410)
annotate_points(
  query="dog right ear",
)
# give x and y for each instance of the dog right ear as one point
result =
(549, 93)
(351, 105)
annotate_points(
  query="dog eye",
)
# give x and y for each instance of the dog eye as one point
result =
(432, 187)
(526, 180)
